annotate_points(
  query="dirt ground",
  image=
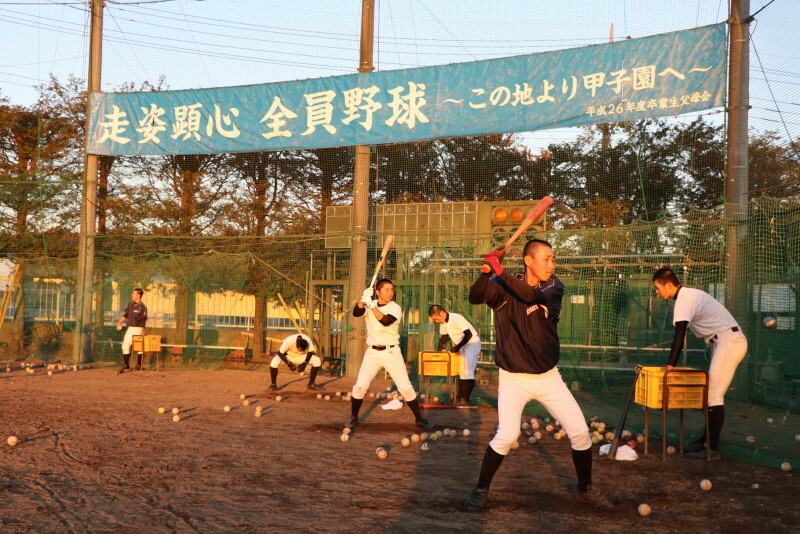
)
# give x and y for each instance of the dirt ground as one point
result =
(96, 456)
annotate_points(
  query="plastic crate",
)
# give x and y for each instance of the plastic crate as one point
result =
(146, 343)
(685, 387)
(439, 363)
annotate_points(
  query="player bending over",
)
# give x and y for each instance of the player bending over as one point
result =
(526, 309)
(456, 329)
(296, 351)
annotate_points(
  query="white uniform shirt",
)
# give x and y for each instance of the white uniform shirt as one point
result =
(377, 334)
(455, 326)
(289, 346)
(705, 314)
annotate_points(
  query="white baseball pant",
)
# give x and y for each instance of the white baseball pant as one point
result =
(730, 349)
(297, 360)
(515, 390)
(127, 341)
(469, 360)
(389, 359)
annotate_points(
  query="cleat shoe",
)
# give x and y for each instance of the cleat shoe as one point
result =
(595, 498)
(313, 387)
(694, 446)
(352, 422)
(273, 387)
(123, 369)
(477, 500)
(424, 423)
(701, 455)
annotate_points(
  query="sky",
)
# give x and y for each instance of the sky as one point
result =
(208, 43)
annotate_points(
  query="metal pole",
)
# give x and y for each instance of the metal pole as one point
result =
(358, 252)
(82, 346)
(736, 172)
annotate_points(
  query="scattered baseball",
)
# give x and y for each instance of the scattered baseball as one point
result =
(227, 409)
(670, 450)
(797, 437)
(640, 438)
(327, 397)
(405, 442)
(644, 509)
(465, 432)
(750, 439)
(769, 420)
(706, 485)
(278, 398)
(595, 440)
(346, 431)
(381, 452)
(49, 373)
(162, 410)
(257, 413)
(436, 399)
(319, 395)
(176, 418)
(435, 436)
(345, 437)
(537, 435)
(12, 440)
(176, 411)
(609, 436)
(535, 425)
(786, 466)
(242, 396)
(338, 393)
(422, 396)
(415, 437)
(245, 402)
(532, 440)
(549, 428)
(423, 436)
(626, 434)
(259, 408)
(525, 426)
(372, 395)
(557, 435)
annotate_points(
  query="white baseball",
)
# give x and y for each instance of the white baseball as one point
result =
(257, 413)
(346, 431)
(750, 439)
(609, 436)
(537, 435)
(338, 393)
(465, 432)
(671, 450)
(245, 402)
(415, 437)
(549, 428)
(176, 411)
(644, 509)
(12, 440)
(259, 408)
(525, 426)
(706, 485)
(423, 436)
(49, 373)
(532, 440)
(345, 437)
(640, 438)
(382, 454)
(327, 397)
(786, 466)
(797, 437)
(227, 409)
(242, 396)
(278, 398)
(176, 418)
(770, 420)
(405, 442)
(319, 395)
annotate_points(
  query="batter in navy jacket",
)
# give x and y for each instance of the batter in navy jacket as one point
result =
(527, 307)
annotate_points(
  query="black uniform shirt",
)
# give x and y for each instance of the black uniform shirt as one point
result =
(135, 314)
(527, 340)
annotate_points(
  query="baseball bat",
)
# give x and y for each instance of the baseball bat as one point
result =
(289, 313)
(612, 453)
(386, 246)
(537, 211)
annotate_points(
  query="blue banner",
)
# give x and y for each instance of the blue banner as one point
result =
(656, 76)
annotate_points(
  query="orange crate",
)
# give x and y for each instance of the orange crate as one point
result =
(685, 387)
(439, 363)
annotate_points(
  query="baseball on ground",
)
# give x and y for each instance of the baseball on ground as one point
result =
(750, 439)
(278, 398)
(257, 413)
(423, 436)
(465, 432)
(405, 442)
(227, 409)
(706, 484)
(162, 410)
(671, 450)
(786, 466)
(345, 437)
(176, 411)
(644, 509)
(381, 452)
(346, 431)
(176, 418)
(415, 437)
(242, 396)
(12, 440)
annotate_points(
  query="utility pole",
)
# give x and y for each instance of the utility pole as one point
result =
(736, 172)
(356, 338)
(82, 344)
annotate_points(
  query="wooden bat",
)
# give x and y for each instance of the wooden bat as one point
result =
(289, 313)
(612, 453)
(385, 252)
(537, 211)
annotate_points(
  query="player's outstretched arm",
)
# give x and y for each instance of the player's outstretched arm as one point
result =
(677, 342)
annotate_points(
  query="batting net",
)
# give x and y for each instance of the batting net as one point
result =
(237, 251)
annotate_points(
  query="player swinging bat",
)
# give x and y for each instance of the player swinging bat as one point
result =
(537, 211)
